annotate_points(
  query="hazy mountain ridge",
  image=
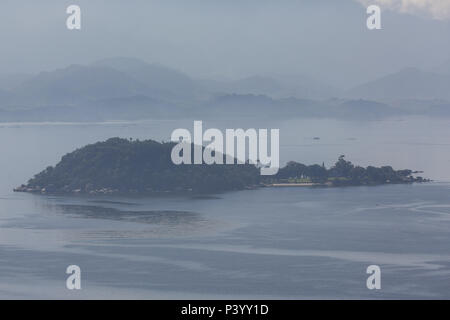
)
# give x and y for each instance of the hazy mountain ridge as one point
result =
(161, 81)
(105, 79)
(264, 106)
(409, 83)
(129, 89)
(275, 86)
(76, 84)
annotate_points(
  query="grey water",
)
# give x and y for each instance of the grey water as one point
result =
(279, 243)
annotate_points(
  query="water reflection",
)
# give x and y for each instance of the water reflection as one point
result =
(168, 217)
(77, 219)
(113, 202)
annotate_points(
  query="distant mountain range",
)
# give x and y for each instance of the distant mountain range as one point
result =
(409, 83)
(275, 86)
(77, 84)
(159, 81)
(127, 88)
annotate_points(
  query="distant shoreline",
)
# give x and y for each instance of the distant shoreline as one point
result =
(306, 184)
(106, 192)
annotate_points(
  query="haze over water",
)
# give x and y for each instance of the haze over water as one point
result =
(266, 243)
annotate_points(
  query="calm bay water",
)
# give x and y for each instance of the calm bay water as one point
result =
(267, 243)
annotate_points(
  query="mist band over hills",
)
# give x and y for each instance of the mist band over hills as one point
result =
(130, 89)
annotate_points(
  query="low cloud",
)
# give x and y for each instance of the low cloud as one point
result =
(436, 9)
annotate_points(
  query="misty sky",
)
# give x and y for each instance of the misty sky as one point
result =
(327, 39)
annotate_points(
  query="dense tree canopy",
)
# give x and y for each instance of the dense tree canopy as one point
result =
(125, 166)
(344, 173)
(122, 165)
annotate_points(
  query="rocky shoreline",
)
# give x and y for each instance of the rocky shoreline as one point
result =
(111, 191)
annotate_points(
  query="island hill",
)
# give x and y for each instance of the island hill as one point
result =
(121, 166)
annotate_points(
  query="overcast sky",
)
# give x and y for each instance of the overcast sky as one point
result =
(435, 9)
(232, 38)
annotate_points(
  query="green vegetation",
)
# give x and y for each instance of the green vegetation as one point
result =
(125, 166)
(343, 173)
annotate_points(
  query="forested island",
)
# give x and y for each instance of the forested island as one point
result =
(121, 166)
